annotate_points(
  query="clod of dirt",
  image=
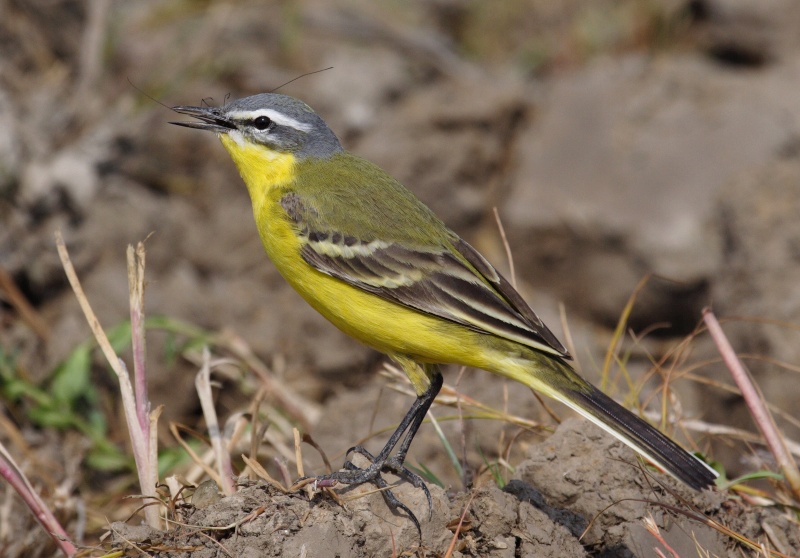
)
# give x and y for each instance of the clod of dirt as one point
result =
(585, 478)
(578, 478)
(261, 521)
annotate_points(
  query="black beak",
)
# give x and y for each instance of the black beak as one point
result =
(210, 119)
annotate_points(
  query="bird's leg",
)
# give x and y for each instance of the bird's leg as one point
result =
(395, 463)
(428, 381)
(411, 422)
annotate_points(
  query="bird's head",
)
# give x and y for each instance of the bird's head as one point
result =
(274, 123)
(266, 135)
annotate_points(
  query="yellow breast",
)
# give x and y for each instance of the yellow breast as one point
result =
(377, 322)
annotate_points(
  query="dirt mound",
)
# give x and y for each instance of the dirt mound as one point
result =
(579, 480)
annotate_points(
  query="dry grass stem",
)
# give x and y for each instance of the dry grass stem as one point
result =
(256, 428)
(713, 429)
(259, 471)
(612, 354)
(235, 429)
(451, 548)
(283, 470)
(755, 402)
(175, 487)
(140, 437)
(136, 262)
(17, 479)
(201, 463)
(298, 452)
(26, 311)
(310, 441)
(450, 397)
(731, 388)
(506, 246)
(652, 528)
(222, 457)
(569, 342)
(305, 411)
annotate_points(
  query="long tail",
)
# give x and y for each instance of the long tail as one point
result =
(643, 438)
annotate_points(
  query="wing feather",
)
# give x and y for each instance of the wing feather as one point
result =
(449, 280)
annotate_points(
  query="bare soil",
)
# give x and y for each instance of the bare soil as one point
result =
(579, 494)
(615, 139)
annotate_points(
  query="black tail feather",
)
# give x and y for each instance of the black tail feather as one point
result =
(642, 437)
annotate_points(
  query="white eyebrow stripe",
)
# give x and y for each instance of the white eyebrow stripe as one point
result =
(277, 117)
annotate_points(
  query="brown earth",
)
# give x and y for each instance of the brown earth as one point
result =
(579, 494)
(615, 140)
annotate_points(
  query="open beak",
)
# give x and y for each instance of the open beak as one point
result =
(209, 118)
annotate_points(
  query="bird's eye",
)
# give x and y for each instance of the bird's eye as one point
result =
(262, 123)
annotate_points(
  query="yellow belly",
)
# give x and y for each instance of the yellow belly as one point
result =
(384, 325)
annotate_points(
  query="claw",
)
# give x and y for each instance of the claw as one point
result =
(394, 503)
(372, 474)
(397, 467)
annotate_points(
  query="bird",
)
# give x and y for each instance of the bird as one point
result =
(375, 261)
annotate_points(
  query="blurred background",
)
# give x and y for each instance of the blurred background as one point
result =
(615, 139)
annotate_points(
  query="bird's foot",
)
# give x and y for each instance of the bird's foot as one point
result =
(372, 474)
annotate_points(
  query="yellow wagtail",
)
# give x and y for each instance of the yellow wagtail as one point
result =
(370, 257)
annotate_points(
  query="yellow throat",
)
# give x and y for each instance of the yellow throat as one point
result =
(261, 168)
